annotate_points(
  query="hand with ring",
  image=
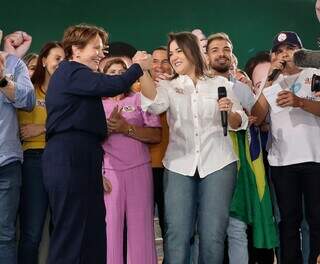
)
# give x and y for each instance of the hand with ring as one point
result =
(225, 104)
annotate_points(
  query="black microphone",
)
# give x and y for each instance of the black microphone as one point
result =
(222, 92)
(275, 73)
(307, 58)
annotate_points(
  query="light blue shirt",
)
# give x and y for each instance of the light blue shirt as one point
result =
(10, 145)
(243, 93)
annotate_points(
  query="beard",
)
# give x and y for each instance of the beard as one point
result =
(220, 68)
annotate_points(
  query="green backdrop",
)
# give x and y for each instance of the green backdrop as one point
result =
(251, 24)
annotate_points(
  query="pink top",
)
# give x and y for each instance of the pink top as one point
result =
(122, 152)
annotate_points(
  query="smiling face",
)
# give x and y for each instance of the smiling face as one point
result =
(179, 61)
(160, 63)
(52, 61)
(220, 55)
(115, 69)
(91, 54)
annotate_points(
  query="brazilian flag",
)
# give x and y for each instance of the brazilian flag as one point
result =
(251, 201)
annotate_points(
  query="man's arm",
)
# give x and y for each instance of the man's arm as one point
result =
(19, 91)
(261, 107)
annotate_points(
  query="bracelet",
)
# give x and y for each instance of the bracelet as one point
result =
(131, 131)
(3, 82)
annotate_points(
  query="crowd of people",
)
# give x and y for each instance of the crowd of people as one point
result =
(101, 137)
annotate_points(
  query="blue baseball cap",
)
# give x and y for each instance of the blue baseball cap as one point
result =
(286, 37)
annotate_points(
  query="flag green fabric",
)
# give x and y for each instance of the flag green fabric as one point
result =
(251, 201)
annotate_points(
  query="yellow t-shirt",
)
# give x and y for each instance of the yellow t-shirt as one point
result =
(37, 116)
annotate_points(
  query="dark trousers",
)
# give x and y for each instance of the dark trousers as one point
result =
(158, 194)
(72, 170)
(33, 207)
(291, 182)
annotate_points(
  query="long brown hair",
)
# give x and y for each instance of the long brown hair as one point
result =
(190, 47)
(39, 74)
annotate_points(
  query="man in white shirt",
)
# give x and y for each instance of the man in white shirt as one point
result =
(219, 52)
(294, 154)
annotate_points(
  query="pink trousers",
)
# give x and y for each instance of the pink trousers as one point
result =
(131, 198)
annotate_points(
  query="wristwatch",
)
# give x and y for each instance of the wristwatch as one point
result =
(3, 82)
(131, 131)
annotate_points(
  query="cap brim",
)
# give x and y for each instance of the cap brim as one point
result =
(275, 48)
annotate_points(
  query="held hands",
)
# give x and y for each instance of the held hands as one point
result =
(17, 43)
(143, 59)
(225, 104)
(116, 122)
(287, 98)
(31, 130)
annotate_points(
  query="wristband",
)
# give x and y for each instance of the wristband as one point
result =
(3, 82)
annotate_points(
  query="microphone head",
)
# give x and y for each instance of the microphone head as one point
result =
(307, 58)
(222, 92)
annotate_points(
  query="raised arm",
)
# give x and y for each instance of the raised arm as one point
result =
(19, 90)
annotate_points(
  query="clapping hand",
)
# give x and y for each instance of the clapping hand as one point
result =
(116, 122)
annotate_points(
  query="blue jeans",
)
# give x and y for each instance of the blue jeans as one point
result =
(190, 199)
(10, 182)
(237, 241)
(33, 207)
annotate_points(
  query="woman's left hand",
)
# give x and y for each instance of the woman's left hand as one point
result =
(225, 104)
(117, 124)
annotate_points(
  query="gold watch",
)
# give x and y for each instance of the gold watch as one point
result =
(131, 131)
